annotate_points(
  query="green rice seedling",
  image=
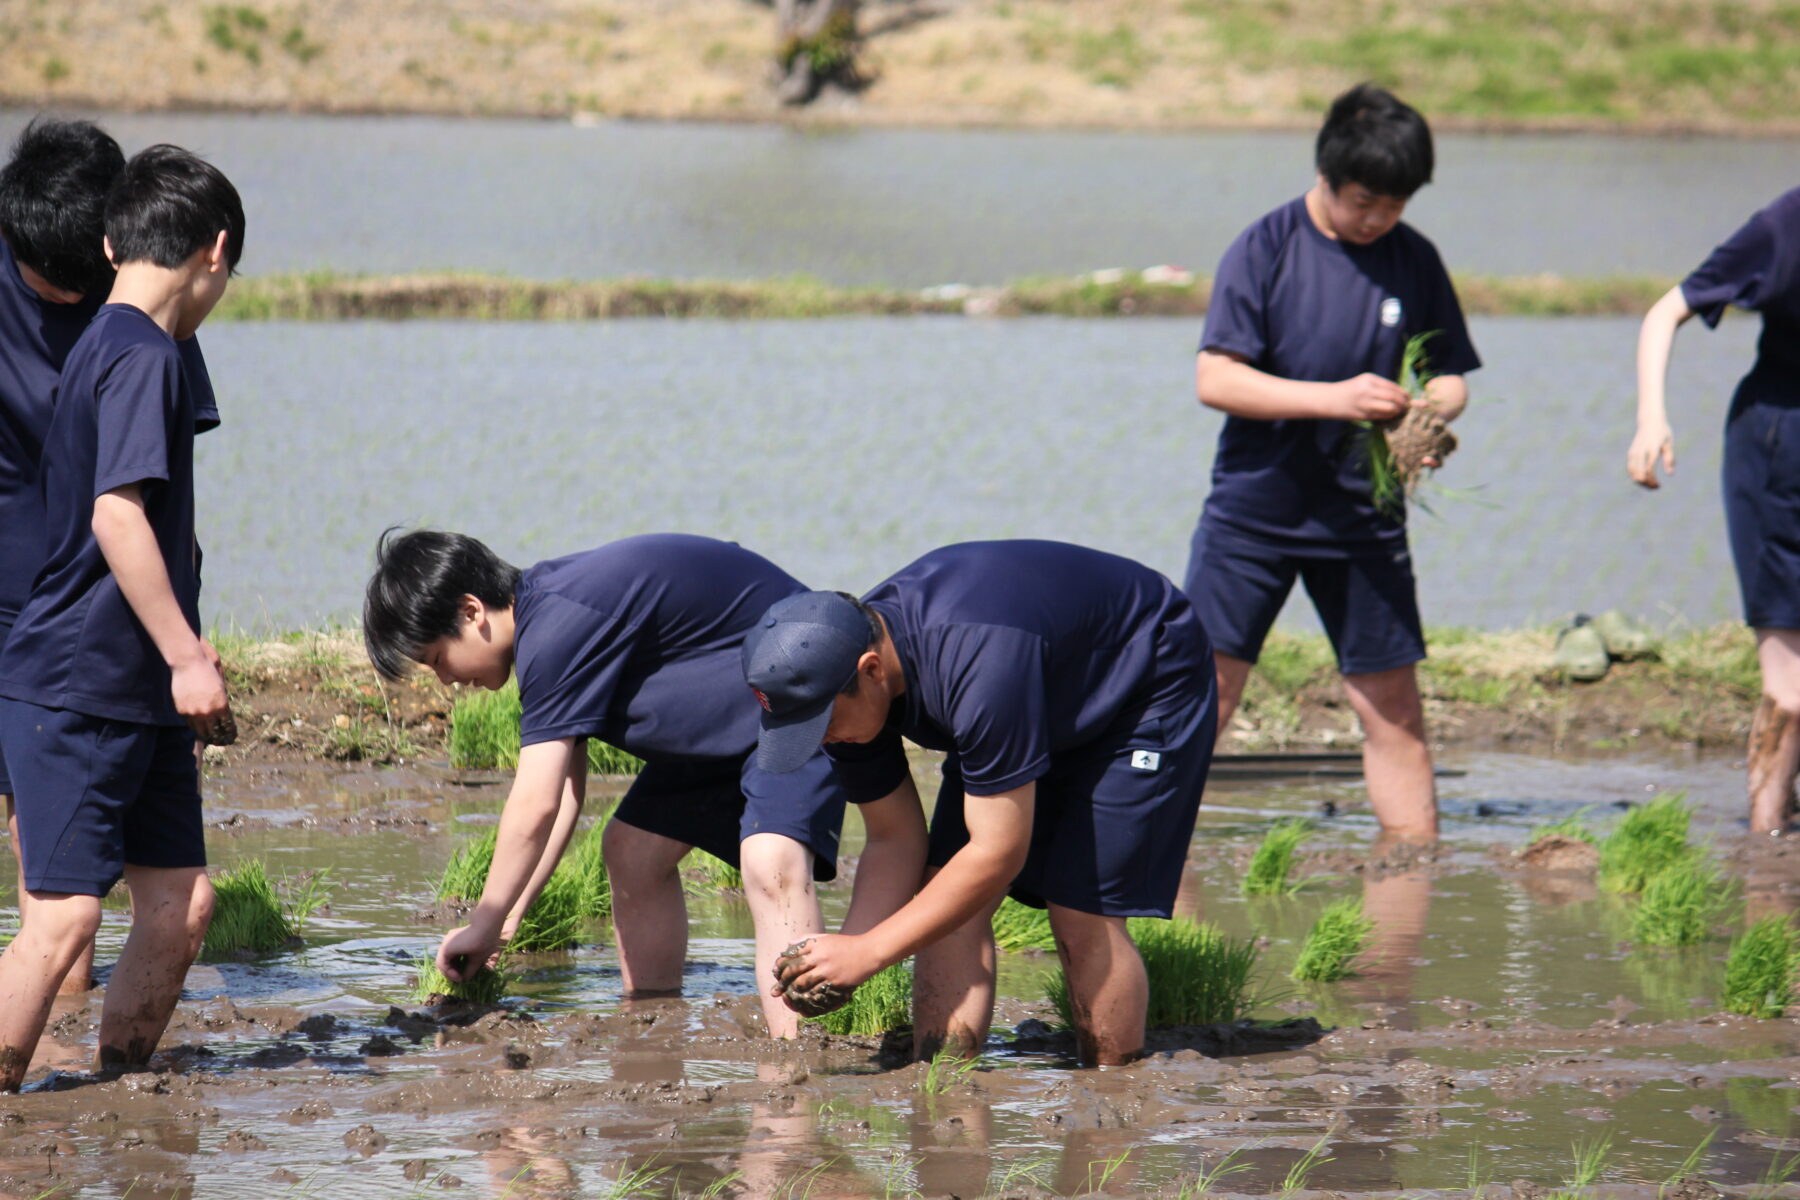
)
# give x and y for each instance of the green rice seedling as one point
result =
(1679, 906)
(1590, 1164)
(576, 892)
(1021, 927)
(1206, 1180)
(946, 1069)
(247, 916)
(554, 920)
(1387, 487)
(1197, 975)
(1761, 968)
(1340, 934)
(484, 733)
(467, 871)
(1274, 859)
(1648, 841)
(882, 1003)
(715, 875)
(1775, 1175)
(1295, 1180)
(1572, 826)
(1100, 1173)
(1690, 1165)
(306, 893)
(585, 861)
(489, 986)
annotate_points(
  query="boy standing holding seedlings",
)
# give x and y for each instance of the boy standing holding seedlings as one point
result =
(1311, 311)
(1071, 693)
(105, 681)
(637, 643)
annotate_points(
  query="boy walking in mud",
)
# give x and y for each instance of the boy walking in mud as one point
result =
(105, 681)
(54, 275)
(636, 642)
(1071, 693)
(1311, 310)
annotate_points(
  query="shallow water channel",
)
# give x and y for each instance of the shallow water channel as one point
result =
(1502, 1016)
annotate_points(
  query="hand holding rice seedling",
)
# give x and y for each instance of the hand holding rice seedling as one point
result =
(486, 987)
(814, 1001)
(1401, 450)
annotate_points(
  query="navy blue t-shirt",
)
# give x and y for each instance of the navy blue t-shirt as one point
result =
(1302, 306)
(1758, 268)
(36, 336)
(639, 643)
(1015, 652)
(124, 414)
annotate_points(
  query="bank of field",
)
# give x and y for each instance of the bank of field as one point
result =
(313, 694)
(324, 296)
(1655, 64)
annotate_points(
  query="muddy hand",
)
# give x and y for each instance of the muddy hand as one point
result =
(221, 731)
(814, 1001)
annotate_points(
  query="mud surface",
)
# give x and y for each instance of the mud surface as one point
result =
(1501, 1015)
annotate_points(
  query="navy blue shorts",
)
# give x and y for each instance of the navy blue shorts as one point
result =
(5, 779)
(1761, 474)
(716, 804)
(1368, 604)
(1112, 820)
(94, 794)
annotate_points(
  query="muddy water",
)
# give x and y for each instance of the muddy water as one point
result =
(844, 448)
(1504, 1016)
(916, 207)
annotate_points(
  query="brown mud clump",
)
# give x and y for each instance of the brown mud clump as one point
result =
(1418, 440)
(815, 1001)
(1556, 853)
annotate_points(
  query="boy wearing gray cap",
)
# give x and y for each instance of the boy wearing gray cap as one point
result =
(1073, 696)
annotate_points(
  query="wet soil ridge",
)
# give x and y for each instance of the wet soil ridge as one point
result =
(1654, 65)
(1161, 291)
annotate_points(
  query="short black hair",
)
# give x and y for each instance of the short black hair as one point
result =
(53, 201)
(413, 596)
(1373, 138)
(855, 684)
(169, 203)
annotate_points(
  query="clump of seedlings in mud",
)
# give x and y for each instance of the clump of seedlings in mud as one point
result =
(1197, 975)
(577, 892)
(487, 986)
(1761, 969)
(1680, 906)
(1273, 862)
(881, 1004)
(484, 733)
(1651, 839)
(1022, 927)
(1340, 934)
(250, 919)
(1574, 827)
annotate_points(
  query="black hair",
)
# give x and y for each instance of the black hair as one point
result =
(419, 581)
(875, 628)
(53, 201)
(1373, 138)
(169, 203)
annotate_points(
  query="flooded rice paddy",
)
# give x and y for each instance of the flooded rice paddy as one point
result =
(1503, 1016)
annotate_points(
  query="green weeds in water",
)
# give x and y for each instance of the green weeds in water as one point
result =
(484, 733)
(1021, 927)
(1340, 934)
(1650, 839)
(487, 987)
(247, 915)
(1680, 906)
(1198, 975)
(1274, 860)
(1761, 968)
(882, 1003)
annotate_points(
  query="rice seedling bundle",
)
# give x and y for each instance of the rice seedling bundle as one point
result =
(584, 861)
(247, 916)
(484, 733)
(1650, 839)
(577, 891)
(467, 871)
(1274, 859)
(882, 1003)
(488, 986)
(1197, 975)
(1340, 934)
(1679, 906)
(1021, 927)
(1396, 450)
(1760, 971)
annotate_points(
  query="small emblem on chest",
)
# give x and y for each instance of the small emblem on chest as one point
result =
(1145, 760)
(1390, 311)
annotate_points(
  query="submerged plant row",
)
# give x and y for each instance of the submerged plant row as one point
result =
(1155, 291)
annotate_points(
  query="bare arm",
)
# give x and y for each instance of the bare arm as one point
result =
(1448, 394)
(1229, 383)
(1654, 439)
(135, 559)
(893, 858)
(527, 823)
(568, 814)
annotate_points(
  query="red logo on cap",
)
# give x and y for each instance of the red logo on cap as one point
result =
(762, 699)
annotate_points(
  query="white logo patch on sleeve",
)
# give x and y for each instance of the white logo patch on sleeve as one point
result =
(1145, 760)
(1390, 312)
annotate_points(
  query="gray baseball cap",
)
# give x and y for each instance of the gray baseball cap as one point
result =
(797, 658)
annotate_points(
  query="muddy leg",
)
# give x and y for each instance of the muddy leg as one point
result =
(1396, 760)
(649, 909)
(1233, 674)
(1108, 988)
(170, 910)
(81, 976)
(778, 885)
(1774, 755)
(52, 932)
(953, 988)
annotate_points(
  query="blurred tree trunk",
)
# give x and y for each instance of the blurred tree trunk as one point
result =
(815, 45)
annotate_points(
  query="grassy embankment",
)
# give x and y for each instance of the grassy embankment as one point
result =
(325, 296)
(1651, 65)
(313, 695)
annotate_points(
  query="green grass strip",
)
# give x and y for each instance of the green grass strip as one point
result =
(484, 734)
(247, 915)
(1761, 968)
(882, 1003)
(1021, 927)
(1340, 934)
(1274, 859)
(1197, 975)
